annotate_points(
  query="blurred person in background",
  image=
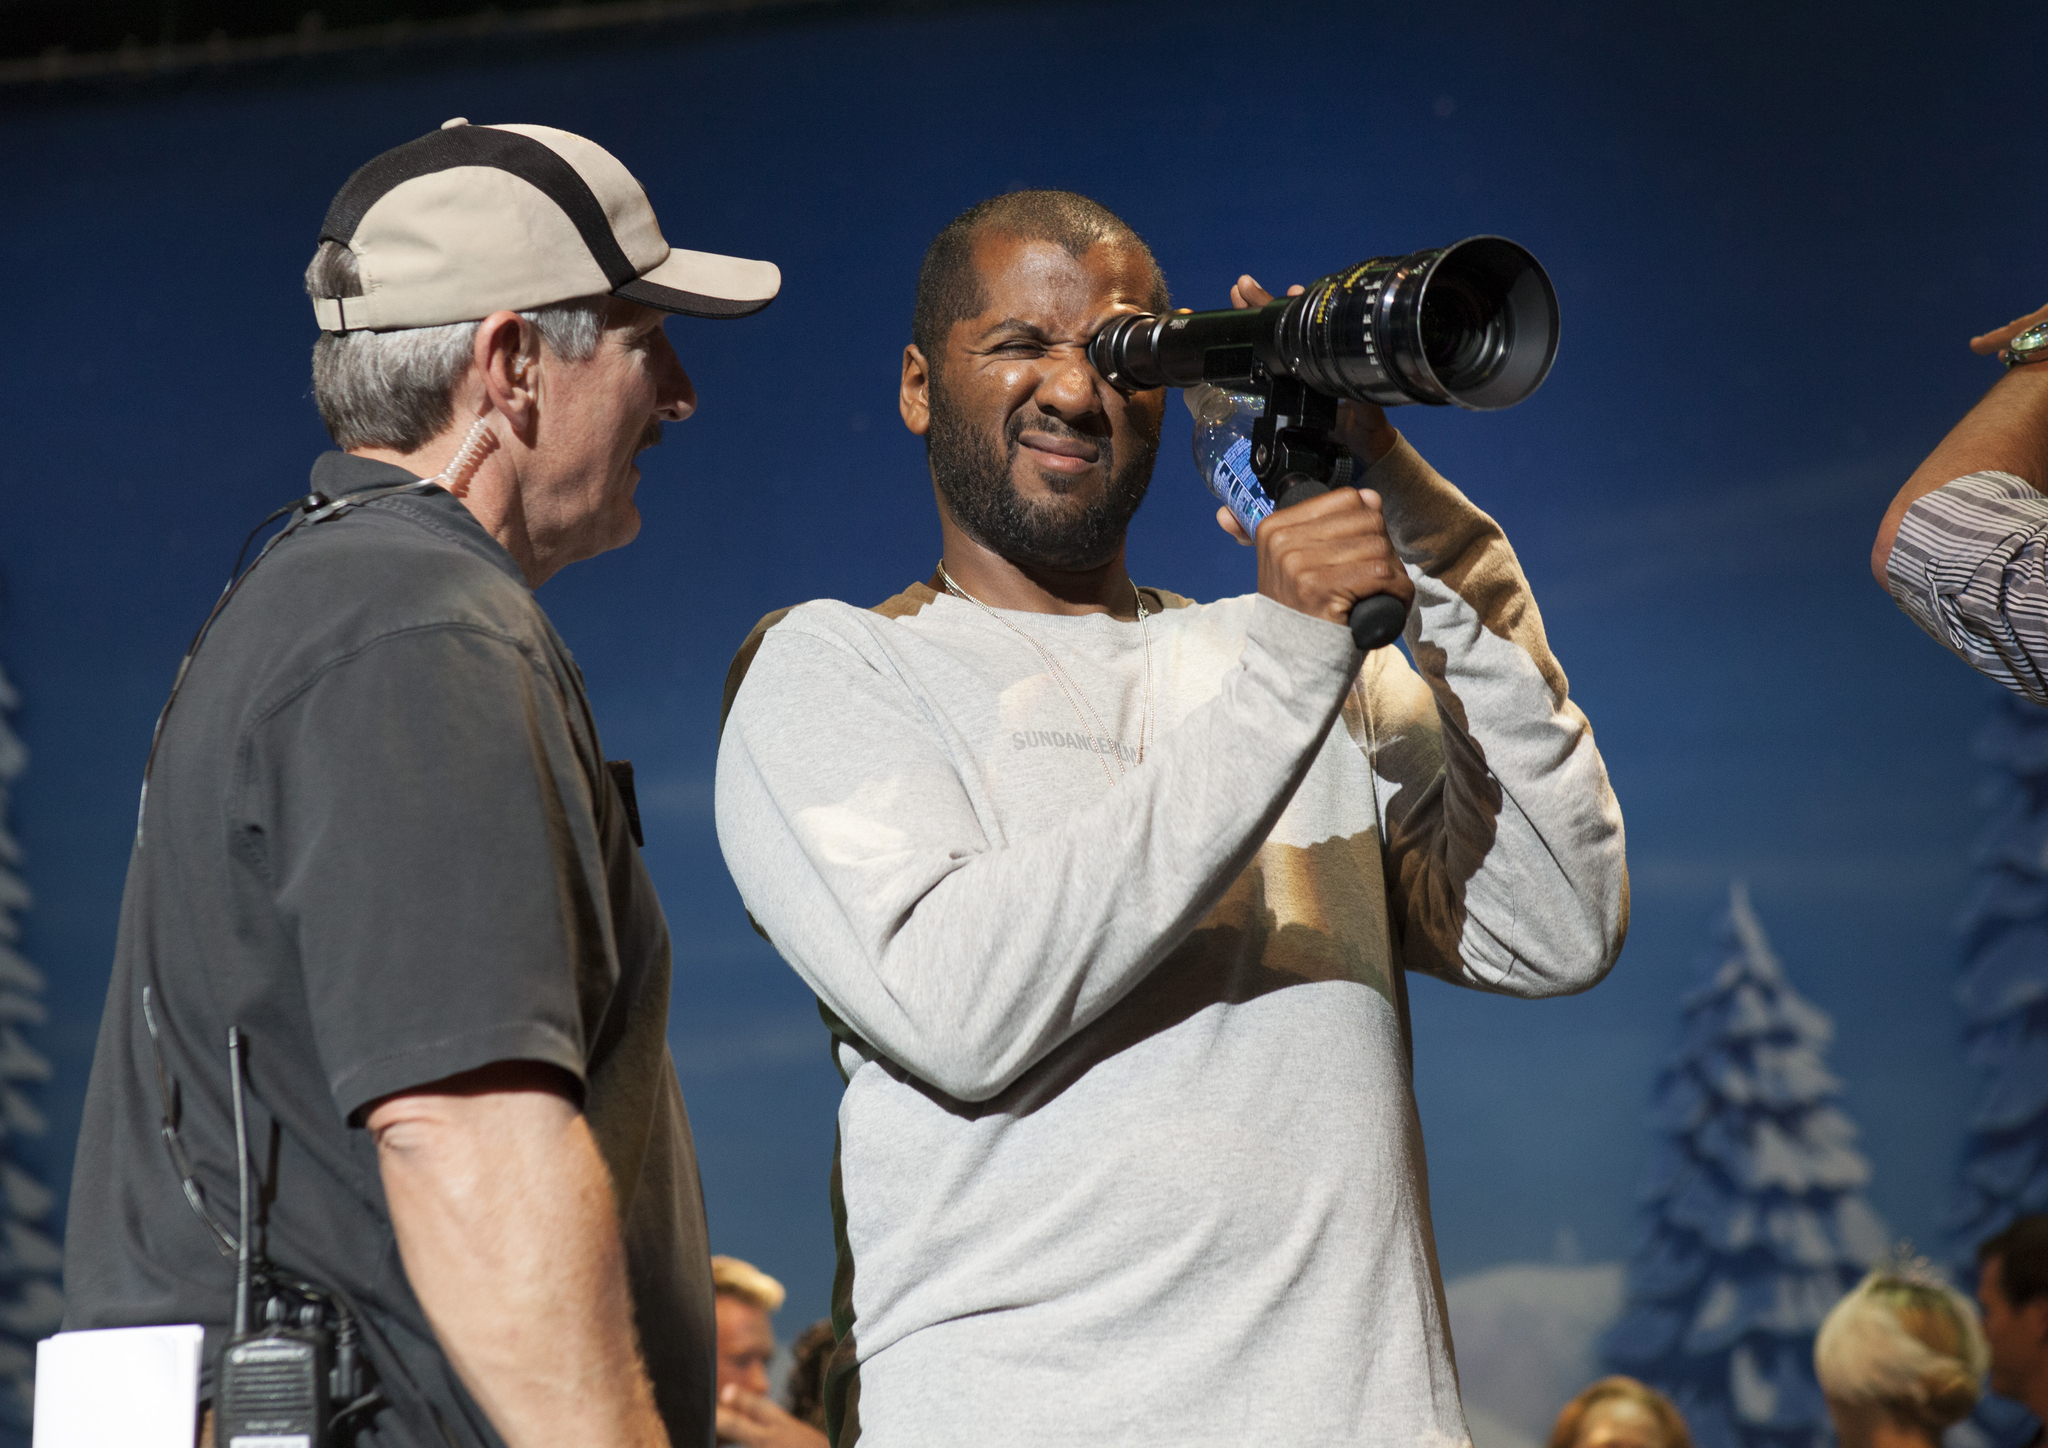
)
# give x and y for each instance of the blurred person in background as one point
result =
(1963, 549)
(811, 1352)
(2012, 1286)
(747, 1301)
(1620, 1412)
(1900, 1359)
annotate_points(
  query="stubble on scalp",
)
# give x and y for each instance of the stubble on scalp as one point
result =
(973, 471)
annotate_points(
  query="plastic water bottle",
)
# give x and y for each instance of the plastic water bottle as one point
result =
(1223, 450)
(1223, 455)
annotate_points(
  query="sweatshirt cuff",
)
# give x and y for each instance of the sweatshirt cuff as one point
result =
(1306, 662)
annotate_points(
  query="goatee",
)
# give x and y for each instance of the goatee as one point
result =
(973, 471)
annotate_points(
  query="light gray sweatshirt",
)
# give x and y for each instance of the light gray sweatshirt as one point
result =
(1128, 1152)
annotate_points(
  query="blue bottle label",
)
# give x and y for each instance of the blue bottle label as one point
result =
(1239, 488)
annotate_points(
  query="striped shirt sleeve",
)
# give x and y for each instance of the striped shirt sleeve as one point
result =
(1970, 566)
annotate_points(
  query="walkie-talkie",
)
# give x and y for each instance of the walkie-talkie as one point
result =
(271, 1389)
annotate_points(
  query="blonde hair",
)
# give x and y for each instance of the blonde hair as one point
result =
(1906, 1344)
(1572, 1417)
(730, 1277)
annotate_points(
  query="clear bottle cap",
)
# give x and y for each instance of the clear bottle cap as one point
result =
(1209, 404)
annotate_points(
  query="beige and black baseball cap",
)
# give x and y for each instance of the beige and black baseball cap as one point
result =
(470, 220)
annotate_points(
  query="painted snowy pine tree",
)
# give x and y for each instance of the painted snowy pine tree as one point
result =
(31, 1304)
(2003, 992)
(1753, 1220)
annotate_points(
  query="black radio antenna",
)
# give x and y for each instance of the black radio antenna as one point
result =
(242, 1252)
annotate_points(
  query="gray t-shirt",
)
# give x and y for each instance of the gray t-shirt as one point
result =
(1128, 1152)
(381, 838)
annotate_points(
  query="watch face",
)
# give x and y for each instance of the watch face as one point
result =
(2034, 339)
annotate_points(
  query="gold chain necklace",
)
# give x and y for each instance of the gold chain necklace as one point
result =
(1083, 711)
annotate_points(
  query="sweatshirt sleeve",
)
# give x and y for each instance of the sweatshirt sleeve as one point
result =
(858, 851)
(1504, 851)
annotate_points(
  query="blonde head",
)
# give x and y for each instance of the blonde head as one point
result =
(1906, 1345)
(730, 1277)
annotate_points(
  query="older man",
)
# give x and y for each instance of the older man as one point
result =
(1107, 897)
(381, 841)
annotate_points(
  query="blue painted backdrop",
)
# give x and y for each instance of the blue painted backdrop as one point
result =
(1771, 234)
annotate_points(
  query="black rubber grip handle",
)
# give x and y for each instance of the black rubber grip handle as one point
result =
(1375, 621)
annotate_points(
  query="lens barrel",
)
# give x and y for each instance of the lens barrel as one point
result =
(1473, 325)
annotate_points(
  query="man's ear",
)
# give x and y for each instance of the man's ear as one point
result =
(914, 400)
(507, 355)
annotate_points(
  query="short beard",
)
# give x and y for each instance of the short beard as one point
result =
(973, 476)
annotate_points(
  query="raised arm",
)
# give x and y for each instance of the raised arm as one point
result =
(505, 1222)
(1963, 549)
(1505, 859)
(962, 955)
(2007, 432)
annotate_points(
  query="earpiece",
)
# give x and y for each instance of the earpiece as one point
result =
(520, 367)
(477, 446)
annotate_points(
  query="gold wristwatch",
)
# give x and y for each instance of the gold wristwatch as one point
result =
(2029, 346)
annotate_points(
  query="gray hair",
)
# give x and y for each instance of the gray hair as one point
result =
(393, 389)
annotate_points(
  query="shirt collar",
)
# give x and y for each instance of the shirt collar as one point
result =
(338, 474)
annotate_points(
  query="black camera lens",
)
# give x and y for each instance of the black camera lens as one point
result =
(1473, 324)
(1465, 335)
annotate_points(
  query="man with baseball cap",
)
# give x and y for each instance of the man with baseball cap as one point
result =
(380, 844)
